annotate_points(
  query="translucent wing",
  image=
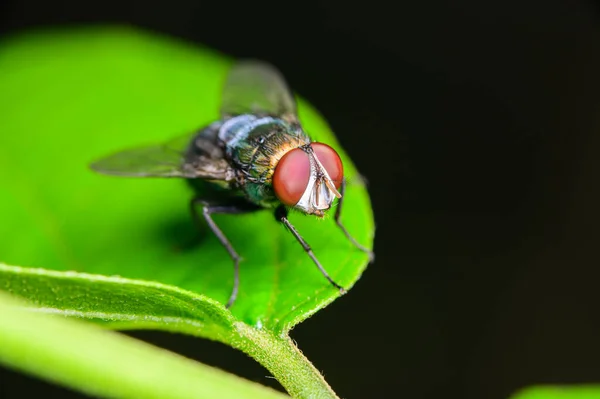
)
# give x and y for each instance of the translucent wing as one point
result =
(257, 87)
(176, 158)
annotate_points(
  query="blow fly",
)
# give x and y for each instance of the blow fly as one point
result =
(256, 156)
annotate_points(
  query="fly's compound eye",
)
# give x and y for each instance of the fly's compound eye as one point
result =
(291, 176)
(292, 173)
(331, 161)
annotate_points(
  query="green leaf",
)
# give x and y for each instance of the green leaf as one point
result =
(72, 97)
(591, 391)
(63, 354)
(120, 303)
(124, 252)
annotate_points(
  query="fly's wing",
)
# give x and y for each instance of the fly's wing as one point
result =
(256, 87)
(172, 159)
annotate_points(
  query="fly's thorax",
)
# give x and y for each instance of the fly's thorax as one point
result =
(254, 145)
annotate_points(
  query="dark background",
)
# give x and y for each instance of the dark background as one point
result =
(477, 126)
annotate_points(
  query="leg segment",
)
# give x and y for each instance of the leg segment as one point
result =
(281, 215)
(338, 213)
(207, 211)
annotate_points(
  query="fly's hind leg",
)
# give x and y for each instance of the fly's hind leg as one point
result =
(208, 210)
(338, 214)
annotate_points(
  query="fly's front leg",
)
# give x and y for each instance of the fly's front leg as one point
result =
(281, 215)
(210, 209)
(338, 213)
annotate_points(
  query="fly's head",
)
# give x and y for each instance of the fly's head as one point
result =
(308, 178)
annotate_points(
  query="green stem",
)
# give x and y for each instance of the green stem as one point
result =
(284, 360)
(107, 364)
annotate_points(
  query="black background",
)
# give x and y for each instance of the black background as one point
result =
(477, 125)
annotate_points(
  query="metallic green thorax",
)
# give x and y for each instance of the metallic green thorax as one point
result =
(254, 145)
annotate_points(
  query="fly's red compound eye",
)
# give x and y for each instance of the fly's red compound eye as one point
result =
(331, 161)
(291, 176)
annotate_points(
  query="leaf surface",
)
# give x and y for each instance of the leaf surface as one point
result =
(70, 97)
(123, 252)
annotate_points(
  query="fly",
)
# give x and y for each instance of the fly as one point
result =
(256, 156)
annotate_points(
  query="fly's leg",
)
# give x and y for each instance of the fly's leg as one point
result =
(207, 211)
(338, 213)
(281, 215)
